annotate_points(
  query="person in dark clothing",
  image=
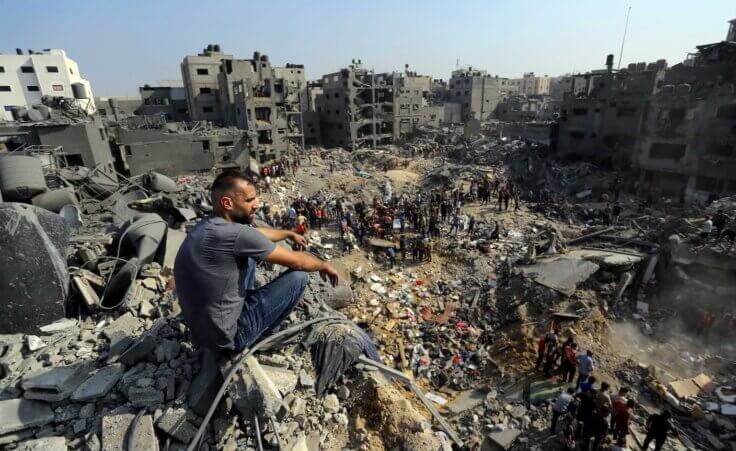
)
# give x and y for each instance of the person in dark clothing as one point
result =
(596, 428)
(586, 407)
(658, 426)
(403, 246)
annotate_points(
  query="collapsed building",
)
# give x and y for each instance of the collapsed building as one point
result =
(27, 78)
(478, 92)
(671, 125)
(359, 108)
(251, 94)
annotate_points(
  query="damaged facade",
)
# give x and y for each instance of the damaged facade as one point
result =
(673, 125)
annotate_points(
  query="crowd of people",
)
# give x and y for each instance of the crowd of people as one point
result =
(594, 419)
(412, 222)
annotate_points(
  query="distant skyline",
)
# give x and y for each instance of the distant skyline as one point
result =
(121, 45)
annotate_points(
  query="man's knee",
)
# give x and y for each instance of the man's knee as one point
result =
(301, 279)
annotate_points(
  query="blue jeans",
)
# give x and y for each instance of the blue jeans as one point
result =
(266, 307)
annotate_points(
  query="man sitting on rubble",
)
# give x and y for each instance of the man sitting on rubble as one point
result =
(215, 270)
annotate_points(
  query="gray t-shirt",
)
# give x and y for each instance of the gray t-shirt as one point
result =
(210, 271)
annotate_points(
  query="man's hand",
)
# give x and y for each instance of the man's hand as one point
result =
(298, 239)
(328, 272)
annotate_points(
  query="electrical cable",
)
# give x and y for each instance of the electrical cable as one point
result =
(194, 444)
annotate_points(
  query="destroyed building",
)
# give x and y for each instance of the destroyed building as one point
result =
(118, 108)
(66, 142)
(200, 76)
(602, 122)
(26, 78)
(267, 102)
(685, 148)
(477, 92)
(359, 108)
(169, 101)
(174, 151)
(356, 107)
(673, 125)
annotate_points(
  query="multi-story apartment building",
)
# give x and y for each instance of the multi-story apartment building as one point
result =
(200, 76)
(477, 92)
(356, 107)
(266, 101)
(675, 126)
(168, 101)
(25, 78)
(603, 124)
(686, 146)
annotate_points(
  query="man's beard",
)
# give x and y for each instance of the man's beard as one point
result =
(243, 218)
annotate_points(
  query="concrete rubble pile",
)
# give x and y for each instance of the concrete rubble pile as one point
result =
(457, 332)
(107, 364)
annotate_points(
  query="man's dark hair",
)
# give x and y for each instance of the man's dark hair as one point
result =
(605, 386)
(225, 182)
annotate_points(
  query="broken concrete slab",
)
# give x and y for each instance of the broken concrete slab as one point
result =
(89, 296)
(175, 422)
(143, 347)
(126, 324)
(500, 441)
(284, 379)
(466, 400)
(561, 274)
(116, 428)
(254, 393)
(18, 414)
(145, 396)
(58, 326)
(54, 384)
(99, 383)
(544, 390)
(43, 444)
(33, 243)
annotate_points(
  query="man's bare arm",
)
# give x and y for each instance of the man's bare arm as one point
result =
(276, 235)
(302, 261)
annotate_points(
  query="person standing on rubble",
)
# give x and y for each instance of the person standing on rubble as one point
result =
(569, 355)
(585, 367)
(707, 228)
(620, 419)
(658, 426)
(215, 270)
(560, 407)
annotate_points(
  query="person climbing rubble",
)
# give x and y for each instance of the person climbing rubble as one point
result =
(215, 270)
(659, 426)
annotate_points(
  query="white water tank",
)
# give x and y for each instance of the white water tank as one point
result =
(21, 177)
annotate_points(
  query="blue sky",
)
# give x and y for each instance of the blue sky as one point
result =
(121, 45)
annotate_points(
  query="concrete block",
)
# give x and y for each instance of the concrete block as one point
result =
(99, 383)
(500, 441)
(466, 400)
(18, 414)
(142, 348)
(58, 326)
(126, 324)
(115, 429)
(284, 379)
(54, 384)
(254, 393)
(175, 423)
(43, 444)
(145, 396)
